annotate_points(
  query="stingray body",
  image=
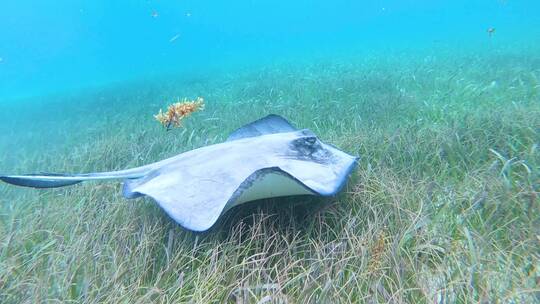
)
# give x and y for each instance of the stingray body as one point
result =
(266, 158)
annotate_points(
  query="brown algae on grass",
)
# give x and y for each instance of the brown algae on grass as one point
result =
(178, 111)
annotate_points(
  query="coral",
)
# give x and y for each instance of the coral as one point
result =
(178, 111)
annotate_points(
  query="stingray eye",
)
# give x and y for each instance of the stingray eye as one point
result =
(311, 140)
(306, 145)
(305, 141)
(309, 148)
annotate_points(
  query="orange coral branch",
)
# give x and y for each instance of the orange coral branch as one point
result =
(178, 111)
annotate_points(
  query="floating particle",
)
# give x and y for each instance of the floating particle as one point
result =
(173, 39)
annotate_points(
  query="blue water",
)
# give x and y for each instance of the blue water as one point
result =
(51, 47)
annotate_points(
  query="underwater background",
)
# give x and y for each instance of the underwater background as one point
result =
(441, 99)
(58, 46)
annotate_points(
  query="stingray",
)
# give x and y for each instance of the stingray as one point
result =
(263, 159)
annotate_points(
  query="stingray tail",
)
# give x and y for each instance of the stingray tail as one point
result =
(46, 180)
(54, 180)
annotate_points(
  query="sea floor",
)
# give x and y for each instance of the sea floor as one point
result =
(444, 204)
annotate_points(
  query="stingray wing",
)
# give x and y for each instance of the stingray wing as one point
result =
(195, 188)
(198, 206)
(270, 124)
(200, 185)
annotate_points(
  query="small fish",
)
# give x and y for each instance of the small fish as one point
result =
(1, 59)
(173, 39)
(188, 14)
(154, 14)
(491, 31)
